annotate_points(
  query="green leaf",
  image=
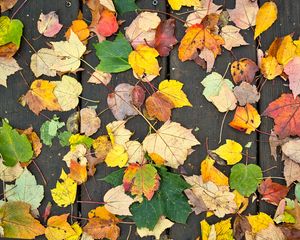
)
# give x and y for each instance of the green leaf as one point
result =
(113, 55)
(124, 6)
(14, 147)
(26, 190)
(168, 201)
(10, 31)
(297, 191)
(49, 130)
(115, 178)
(76, 139)
(64, 138)
(245, 178)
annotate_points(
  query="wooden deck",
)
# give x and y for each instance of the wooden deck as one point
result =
(203, 114)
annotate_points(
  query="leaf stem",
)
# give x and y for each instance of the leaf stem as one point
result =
(89, 100)
(222, 126)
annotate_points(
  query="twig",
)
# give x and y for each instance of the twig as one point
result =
(18, 9)
(92, 202)
(40, 172)
(222, 126)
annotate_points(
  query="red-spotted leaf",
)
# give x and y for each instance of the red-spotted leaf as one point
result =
(165, 37)
(141, 180)
(272, 192)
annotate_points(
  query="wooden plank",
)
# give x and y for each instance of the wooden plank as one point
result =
(205, 116)
(288, 22)
(96, 188)
(50, 160)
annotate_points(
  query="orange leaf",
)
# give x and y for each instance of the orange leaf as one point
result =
(80, 28)
(78, 172)
(212, 174)
(246, 119)
(107, 24)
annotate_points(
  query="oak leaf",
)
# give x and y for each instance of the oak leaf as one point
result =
(48, 24)
(171, 142)
(8, 66)
(286, 114)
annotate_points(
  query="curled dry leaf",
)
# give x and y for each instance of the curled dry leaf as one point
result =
(120, 101)
(48, 24)
(8, 66)
(291, 149)
(117, 201)
(142, 29)
(99, 77)
(246, 93)
(89, 121)
(232, 37)
(208, 56)
(172, 143)
(165, 37)
(243, 70)
(244, 13)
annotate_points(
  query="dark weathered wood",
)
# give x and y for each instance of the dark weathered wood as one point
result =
(50, 160)
(288, 22)
(205, 116)
(95, 187)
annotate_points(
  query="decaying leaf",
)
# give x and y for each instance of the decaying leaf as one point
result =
(246, 93)
(48, 24)
(243, 70)
(89, 121)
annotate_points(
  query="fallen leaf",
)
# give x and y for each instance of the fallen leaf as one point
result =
(99, 77)
(286, 114)
(243, 70)
(33, 139)
(159, 105)
(118, 133)
(89, 121)
(259, 222)
(14, 147)
(291, 170)
(231, 152)
(135, 152)
(41, 97)
(17, 221)
(141, 180)
(48, 24)
(177, 4)
(270, 233)
(78, 153)
(246, 93)
(7, 4)
(159, 228)
(225, 101)
(143, 61)
(208, 56)
(8, 66)
(244, 13)
(266, 16)
(64, 193)
(26, 190)
(171, 142)
(49, 130)
(107, 24)
(78, 172)
(219, 231)
(117, 201)
(116, 157)
(291, 149)
(102, 224)
(270, 67)
(246, 119)
(138, 96)
(59, 229)
(67, 92)
(124, 6)
(286, 50)
(272, 192)
(120, 101)
(9, 174)
(245, 178)
(241, 225)
(142, 29)
(102, 146)
(165, 37)
(197, 203)
(80, 28)
(47, 211)
(210, 173)
(292, 70)
(232, 37)
(41, 62)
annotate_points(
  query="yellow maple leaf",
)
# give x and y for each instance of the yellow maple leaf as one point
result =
(211, 173)
(286, 50)
(266, 16)
(259, 222)
(59, 229)
(143, 61)
(173, 90)
(270, 67)
(231, 152)
(177, 4)
(117, 156)
(64, 193)
(219, 231)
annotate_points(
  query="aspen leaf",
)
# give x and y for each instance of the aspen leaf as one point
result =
(143, 61)
(64, 193)
(48, 24)
(8, 66)
(116, 157)
(177, 4)
(231, 152)
(59, 229)
(246, 119)
(117, 201)
(80, 28)
(17, 221)
(102, 224)
(266, 16)
(141, 180)
(172, 142)
(67, 91)
(173, 90)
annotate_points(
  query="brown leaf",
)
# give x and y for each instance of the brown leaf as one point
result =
(165, 37)
(197, 203)
(159, 105)
(275, 142)
(291, 170)
(291, 149)
(33, 139)
(8, 50)
(138, 96)
(246, 93)
(7, 4)
(240, 226)
(290, 233)
(89, 121)
(243, 70)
